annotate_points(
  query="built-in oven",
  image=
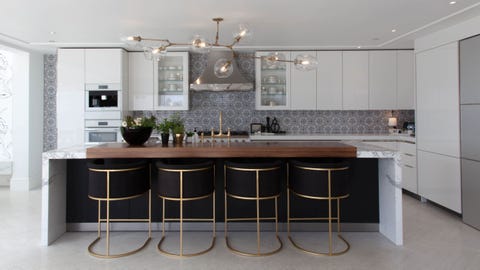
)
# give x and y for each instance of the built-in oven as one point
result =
(102, 131)
(103, 97)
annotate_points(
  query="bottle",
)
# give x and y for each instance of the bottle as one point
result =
(195, 135)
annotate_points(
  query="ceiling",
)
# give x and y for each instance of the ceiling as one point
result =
(276, 24)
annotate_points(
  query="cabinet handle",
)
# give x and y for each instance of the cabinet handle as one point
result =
(407, 154)
(408, 166)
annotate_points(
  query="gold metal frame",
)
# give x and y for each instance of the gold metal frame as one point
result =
(330, 252)
(107, 220)
(182, 219)
(257, 198)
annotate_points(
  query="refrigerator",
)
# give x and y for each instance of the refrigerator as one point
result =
(470, 129)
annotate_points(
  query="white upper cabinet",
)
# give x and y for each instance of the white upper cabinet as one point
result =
(140, 82)
(382, 79)
(104, 66)
(438, 119)
(405, 80)
(303, 87)
(329, 80)
(355, 80)
(170, 82)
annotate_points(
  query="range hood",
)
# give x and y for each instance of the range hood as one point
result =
(209, 82)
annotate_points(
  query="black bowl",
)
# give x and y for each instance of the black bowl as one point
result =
(136, 136)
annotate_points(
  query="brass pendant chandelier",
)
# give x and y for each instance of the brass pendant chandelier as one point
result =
(223, 67)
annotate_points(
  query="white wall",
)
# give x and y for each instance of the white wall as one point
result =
(27, 126)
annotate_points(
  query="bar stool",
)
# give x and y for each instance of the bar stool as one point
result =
(319, 181)
(117, 180)
(254, 181)
(185, 180)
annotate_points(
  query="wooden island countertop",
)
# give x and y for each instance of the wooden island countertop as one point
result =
(225, 150)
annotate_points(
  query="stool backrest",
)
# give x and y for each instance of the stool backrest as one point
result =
(311, 179)
(126, 178)
(241, 178)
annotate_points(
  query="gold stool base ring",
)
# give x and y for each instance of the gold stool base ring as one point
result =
(258, 254)
(111, 256)
(322, 253)
(161, 250)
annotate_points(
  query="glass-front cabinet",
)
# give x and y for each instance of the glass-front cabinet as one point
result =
(272, 81)
(171, 82)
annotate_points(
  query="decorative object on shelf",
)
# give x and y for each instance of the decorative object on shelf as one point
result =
(178, 129)
(392, 124)
(223, 68)
(136, 131)
(164, 129)
(189, 136)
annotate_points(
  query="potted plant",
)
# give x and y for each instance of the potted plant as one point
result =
(136, 131)
(164, 129)
(189, 135)
(178, 128)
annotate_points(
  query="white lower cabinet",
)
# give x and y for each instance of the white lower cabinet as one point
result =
(440, 179)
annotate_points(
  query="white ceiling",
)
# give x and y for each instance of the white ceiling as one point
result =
(276, 24)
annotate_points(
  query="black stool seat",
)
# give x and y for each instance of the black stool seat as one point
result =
(257, 180)
(111, 180)
(319, 180)
(127, 178)
(183, 180)
(197, 178)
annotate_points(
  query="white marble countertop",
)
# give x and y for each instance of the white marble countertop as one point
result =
(333, 137)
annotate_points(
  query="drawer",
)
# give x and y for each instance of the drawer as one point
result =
(409, 160)
(409, 178)
(409, 149)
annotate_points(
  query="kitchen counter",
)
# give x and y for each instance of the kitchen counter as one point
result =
(332, 137)
(389, 173)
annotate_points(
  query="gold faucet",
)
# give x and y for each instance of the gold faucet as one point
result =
(220, 131)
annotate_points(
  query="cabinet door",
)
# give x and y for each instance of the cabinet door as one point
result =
(469, 70)
(70, 97)
(329, 80)
(382, 80)
(272, 82)
(437, 126)
(439, 179)
(140, 82)
(303, 87)
(355, 80)
(171, 82)
(405, 80)
(103, 65)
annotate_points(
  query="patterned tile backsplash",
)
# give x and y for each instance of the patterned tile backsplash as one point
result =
(238, 110)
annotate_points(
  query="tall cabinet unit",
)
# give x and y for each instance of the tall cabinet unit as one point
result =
(70, 97)
(329, 80)
(303, 86)
(438, 125)
(355, 80)
(272, 82)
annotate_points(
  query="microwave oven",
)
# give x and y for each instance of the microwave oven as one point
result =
(103, 97)
(102, 135)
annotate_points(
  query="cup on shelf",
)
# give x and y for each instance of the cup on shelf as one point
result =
(172, 87)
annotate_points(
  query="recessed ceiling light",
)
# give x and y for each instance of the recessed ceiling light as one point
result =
(452, 2)
(359, 47)
(52, 32)
(394, 30)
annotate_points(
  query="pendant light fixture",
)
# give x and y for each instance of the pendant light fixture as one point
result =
(223, 67)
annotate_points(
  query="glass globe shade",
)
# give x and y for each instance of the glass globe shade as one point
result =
(243, 33)
(199, 44)
(223, 68)
(305, 62)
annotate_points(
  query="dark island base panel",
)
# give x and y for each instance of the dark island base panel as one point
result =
(361, 207)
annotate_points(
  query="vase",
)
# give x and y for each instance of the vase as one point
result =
(165, 138)
(178, 139)
(137, 135)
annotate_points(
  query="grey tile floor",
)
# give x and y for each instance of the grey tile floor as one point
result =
(434, 239)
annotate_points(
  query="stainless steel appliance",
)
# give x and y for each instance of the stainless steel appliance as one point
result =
(103, 97)
(102, 131)
(470, 129)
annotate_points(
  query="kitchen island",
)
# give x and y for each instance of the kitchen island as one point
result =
(54, 187)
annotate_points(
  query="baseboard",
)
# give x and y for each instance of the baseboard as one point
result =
(220, 226)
